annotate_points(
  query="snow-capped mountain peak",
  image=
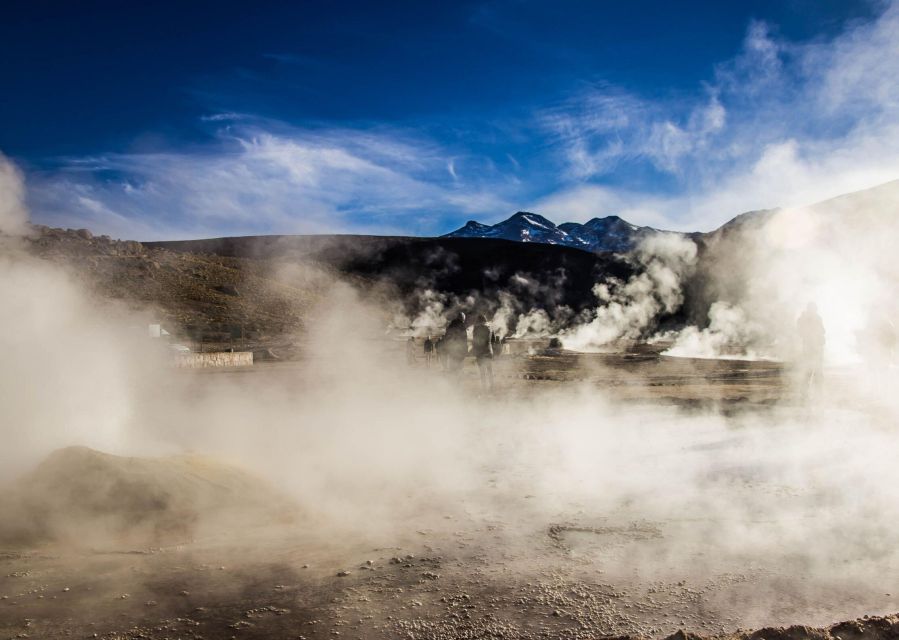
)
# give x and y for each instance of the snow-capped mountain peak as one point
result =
(599, 234)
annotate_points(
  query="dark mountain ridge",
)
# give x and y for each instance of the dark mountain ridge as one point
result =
(539, 275)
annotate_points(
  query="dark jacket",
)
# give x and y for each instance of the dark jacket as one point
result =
(482, 341)
(455, 340)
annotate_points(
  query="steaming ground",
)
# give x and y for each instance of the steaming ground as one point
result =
(350, 494)
(591, 495)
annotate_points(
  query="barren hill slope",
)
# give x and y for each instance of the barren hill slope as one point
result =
(478, 269)
(195, 294)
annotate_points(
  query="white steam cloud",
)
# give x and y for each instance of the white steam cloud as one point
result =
(368, 446)
(627, 310)
(762, 274)
(13, 214)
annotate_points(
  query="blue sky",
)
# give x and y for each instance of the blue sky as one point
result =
(201, 119)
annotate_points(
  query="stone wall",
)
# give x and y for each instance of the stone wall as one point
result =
(214, 359)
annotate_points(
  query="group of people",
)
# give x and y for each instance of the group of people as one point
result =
(451, 349)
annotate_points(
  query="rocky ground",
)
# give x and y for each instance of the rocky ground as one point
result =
(303, 590)
(474, 568)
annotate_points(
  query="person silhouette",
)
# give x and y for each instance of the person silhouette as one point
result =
(455, 343)
(428, 350)
(812, 337)
(482, 350)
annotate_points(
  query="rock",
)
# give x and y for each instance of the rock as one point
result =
(228, 290)
(342, 574)
(260, 612)
(84, 234)
(680, 634)
(132, 247)
(240, 624)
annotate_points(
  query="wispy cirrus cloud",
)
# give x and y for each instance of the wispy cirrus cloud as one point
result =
(264, 179)
(604, 126)
(781, 124)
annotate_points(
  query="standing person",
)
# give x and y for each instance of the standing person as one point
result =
(410, 351)
(482, 350)
(439, 354)
(812, 336)
(429, 349)
(455, 343)
(495, 343)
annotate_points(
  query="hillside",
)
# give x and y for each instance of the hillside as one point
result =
(264, 287)
(405, 268)
(198, 296)
(853, 232)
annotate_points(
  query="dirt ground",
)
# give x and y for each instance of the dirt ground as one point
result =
(468, 570)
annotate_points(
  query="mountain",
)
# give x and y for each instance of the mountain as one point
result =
(521, 227)
(478, 269)
(265, 288)
(608, 234)
(207, 288)
(599, 234)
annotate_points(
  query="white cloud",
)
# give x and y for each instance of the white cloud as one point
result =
(583, 202)
(780, 124)
(256, 181)
(783, 124)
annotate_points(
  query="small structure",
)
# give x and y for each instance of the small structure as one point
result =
(213, 359)
(184, 358)
(156, 331)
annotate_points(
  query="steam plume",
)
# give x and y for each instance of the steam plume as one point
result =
(13, 214)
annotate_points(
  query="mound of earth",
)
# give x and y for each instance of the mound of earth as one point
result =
(79, 494)
(867, 628)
